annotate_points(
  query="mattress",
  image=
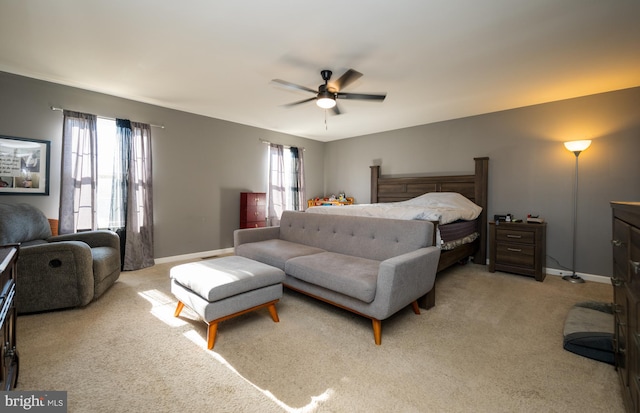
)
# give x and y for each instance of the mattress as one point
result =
(457, 233)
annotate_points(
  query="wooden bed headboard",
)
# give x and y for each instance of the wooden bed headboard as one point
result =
(474, 187)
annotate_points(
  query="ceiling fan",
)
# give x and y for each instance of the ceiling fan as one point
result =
(327, 94)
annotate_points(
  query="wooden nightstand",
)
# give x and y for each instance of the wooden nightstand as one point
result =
(518, 247)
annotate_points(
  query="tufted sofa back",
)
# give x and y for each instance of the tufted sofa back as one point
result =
(22, 223)
(372, 238)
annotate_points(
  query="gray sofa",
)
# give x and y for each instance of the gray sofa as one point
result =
(56, 272)
(371, 266)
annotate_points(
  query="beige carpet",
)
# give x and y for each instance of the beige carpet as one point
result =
(493, 343)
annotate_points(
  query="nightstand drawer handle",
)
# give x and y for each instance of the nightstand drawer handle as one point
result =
(514, 236)
(635, 265)
(514, 249)
(617, 243)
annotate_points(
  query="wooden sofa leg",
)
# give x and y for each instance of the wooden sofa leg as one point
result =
(211, 334)
(377, 331)
(178, 309)
(416, 308)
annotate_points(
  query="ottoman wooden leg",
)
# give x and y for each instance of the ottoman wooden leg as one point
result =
(178, 308)
(274, 312)
(211, 334)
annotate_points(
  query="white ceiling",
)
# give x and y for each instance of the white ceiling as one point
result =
(435, 59)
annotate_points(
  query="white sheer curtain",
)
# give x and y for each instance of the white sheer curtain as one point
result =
(286, 181)
(276, 195)
(79, 172)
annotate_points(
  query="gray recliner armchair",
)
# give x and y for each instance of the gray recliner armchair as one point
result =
(62, 271)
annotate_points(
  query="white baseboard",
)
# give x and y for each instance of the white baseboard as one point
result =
(587, 277)
(203, 254)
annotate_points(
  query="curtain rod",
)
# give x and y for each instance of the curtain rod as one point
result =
(286, 146)
(104, 117)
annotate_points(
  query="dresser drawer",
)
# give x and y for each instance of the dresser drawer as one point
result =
(512, 235)
(255, 214)
(513, 254)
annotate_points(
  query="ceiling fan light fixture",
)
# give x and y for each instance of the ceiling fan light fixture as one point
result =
(325, 100)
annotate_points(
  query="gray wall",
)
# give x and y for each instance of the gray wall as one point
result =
(530, 171)
(200, 164)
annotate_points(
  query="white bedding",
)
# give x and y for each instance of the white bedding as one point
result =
(443, 207)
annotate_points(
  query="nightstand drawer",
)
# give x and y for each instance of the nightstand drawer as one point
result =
(510, 235)
(512, 254)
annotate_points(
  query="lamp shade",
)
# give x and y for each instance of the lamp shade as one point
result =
(577, 146)
(325, 100)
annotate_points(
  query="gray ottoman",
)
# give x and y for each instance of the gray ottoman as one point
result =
(222, 288)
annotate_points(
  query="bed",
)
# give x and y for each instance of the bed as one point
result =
(396, 190)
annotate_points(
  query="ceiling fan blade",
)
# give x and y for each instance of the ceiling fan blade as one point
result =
(293, 85)
(335, 110)
(346, 79)
(361, 96)
(288, 105)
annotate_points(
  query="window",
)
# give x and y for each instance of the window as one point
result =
(107, 175)
(94, 196)
(286, 181)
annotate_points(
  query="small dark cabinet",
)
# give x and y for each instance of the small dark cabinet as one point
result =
(9, 361)
(253, 209)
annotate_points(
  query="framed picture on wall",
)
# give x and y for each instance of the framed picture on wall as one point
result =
(24, 166)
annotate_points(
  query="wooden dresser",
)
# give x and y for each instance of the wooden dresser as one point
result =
(626, 290)
(518, 247)
(9, 361)
(253, 207)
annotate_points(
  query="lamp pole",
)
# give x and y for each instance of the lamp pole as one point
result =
(574, 278)
(576, 147)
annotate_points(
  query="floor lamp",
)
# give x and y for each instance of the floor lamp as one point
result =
(576, 147)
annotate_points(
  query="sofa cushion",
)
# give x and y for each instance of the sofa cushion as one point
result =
(20, 223)
(352, 276)
(275, 252)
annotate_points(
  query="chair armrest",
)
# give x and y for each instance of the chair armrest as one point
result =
(244, 236)
(54, 275)
(98, 238)
(36, 255)
(405, 278)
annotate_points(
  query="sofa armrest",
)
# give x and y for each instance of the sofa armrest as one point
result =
(405, 278)
(98, 238)
(246, 235)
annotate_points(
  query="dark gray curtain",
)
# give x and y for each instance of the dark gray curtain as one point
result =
(298, 199)
(79, 173)
(138, 252)
(119, 185)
